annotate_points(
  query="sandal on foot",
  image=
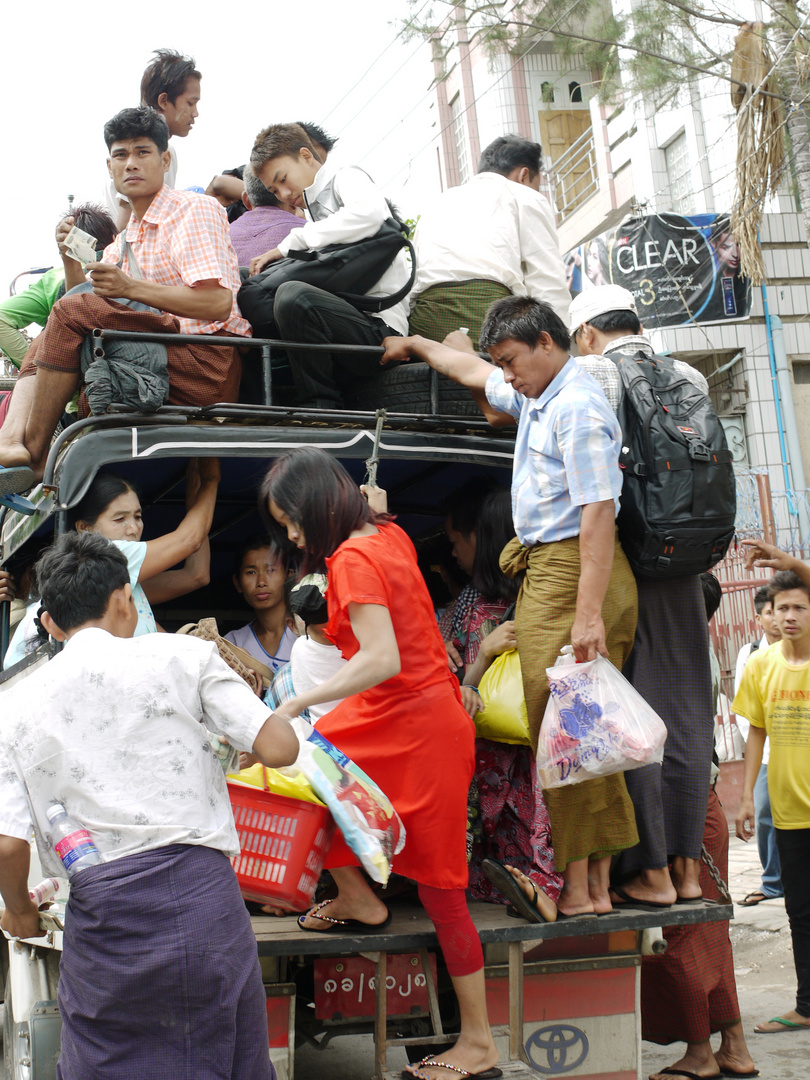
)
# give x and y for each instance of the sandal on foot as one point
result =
(18, 503)
(674, 1071)
(736, 1072)
(787, 1025)
(632, 901)
(348, 924)
(754, 898)
(505, 883)
(432, 1062)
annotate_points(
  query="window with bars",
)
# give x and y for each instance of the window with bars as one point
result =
(679, 172)
(460, 136)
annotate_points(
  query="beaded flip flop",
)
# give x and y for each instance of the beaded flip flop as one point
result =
(349, 924)
(433, 1062)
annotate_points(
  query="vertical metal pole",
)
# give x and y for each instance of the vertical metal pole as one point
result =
(434, 392)
(267, 374)
(516, 1051)
(381, 1015)
(766, 508)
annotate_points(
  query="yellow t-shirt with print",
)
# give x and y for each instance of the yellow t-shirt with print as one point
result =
(775, 695)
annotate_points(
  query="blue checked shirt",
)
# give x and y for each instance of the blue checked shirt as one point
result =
(281, 689)
(566, 453)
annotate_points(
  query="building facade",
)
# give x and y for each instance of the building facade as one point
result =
(606, 163)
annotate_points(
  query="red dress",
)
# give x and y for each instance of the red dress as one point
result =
(409, 733)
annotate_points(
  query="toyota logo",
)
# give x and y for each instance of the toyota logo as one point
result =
(557, 1049)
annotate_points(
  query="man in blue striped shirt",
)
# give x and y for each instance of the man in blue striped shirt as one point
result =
(578, 588)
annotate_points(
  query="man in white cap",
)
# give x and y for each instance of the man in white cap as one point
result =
(669, 665)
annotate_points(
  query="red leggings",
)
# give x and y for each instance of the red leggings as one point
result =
(459, 941)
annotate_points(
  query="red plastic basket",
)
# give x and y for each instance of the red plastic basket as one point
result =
(284, 842)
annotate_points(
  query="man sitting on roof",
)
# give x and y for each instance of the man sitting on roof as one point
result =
(175, 256)
(486, 239)
(265, 224)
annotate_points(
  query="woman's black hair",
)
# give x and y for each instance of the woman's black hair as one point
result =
(494, 529)
(103, 489)
(316, 493)
(712, 593)
(463, 506)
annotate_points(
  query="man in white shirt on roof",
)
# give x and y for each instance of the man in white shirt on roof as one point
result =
(486, 239)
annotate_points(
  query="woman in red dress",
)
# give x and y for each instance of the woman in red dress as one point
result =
(402, 721)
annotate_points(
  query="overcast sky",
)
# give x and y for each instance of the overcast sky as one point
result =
(66, 70)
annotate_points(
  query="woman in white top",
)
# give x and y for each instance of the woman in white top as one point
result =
(112, 508)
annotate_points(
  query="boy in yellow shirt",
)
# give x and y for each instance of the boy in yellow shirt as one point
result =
(775, 696)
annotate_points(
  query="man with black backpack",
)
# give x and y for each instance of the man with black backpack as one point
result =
(344, 207)
(675, 521)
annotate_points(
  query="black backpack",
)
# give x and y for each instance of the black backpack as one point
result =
(347, 270)
(679, 499)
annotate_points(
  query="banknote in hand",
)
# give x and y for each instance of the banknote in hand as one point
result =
(81, 246)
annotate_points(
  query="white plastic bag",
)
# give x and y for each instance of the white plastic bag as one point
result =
(363, 813)
(595, 724)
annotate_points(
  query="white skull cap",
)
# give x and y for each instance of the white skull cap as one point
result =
(598, 301)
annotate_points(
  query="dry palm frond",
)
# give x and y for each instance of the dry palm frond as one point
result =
(760, 148)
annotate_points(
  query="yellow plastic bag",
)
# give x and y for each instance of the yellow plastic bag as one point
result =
(504, 717)
(294, 787)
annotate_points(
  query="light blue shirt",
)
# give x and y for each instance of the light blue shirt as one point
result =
(566, 453)
(134, 551)
(26, 639)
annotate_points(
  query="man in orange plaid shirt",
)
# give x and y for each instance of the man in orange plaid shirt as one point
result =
(179, 259)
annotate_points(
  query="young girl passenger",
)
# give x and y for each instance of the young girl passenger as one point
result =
(261, 569)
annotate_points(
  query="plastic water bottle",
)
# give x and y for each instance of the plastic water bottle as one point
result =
(73, 844)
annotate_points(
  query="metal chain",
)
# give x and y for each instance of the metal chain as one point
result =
(714, 874)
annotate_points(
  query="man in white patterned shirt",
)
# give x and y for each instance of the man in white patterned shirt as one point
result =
(159, 972)
(578, 588)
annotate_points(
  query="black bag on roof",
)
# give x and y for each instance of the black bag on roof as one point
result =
(346, 270)
(679, 499)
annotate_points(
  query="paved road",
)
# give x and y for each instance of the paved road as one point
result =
(765, 982)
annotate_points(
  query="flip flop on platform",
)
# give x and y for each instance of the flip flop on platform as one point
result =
(632, 901)
(15, 478)
(736, 1072)
(432, 1062)
(505, 883)
(754, 898)
(18, 503)
(787, 1025)
(687, 1074)
(346, 924)
(687, 899)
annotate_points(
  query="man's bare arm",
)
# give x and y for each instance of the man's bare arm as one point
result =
(760, 553)
(20, 917)
(206, 300)
(754, 747)
(596, 542)
(465, 368)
